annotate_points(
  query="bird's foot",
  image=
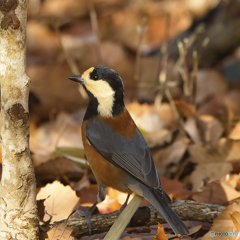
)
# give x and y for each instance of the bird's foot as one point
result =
(87, 216)
(125, 203)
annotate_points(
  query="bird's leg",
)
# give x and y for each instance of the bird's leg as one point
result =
(125, 203)
(88, 214)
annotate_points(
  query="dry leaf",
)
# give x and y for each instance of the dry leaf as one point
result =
(209, 82)
(185, 108)
(210, 128)
(194, 229)
(174, 189)
(61, 202)
(45, 137)
(171, 154)
(236, 220)
(57, 168)
(129, 238)
(119, 196)
(205, 173)
(158, 138)
(235, 132)
(190, 126)
(226, 150)
(224, 224)
(150, 119)
(60, 231)
(109, 205)
(218, 192)
(161, 234)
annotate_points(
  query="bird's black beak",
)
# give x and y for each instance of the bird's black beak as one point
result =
(77, 78)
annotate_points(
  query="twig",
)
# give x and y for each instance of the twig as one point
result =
(94, 23)
(141, 30)
(194, 77)
(61, 131)
(124, 218)
(186, 210)
(163, 73)
(72, 64)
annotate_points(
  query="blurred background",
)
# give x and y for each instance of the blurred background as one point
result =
(180, 64)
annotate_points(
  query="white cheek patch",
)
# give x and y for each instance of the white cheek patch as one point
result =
(104, 94)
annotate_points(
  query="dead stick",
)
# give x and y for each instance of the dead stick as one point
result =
(124, 218)
(186, 210)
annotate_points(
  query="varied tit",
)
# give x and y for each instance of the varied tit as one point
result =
(115, 148)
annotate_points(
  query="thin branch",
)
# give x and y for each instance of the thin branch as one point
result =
(141, 30)
(94, 23)
(163, 73)
(186, 210)
(72, 64)
(124, 218)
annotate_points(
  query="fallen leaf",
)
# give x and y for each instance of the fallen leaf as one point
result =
(236, 220)
(64, 131)
(119, 196)
(56, 169)
(174, 189)
(160, 234)
(209, 82)
(225, 150)
(109, 205)
(185, 108)
(190, 126)
(60, 231)
(210, 128)
(171, 154)
(224, 224)
(218, 192)
(235, 132)
(204, 173)
(195, 229)
(159, 138)
(88, 195)
(150, 119)
(61, 202)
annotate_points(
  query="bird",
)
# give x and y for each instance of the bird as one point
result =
(115, 148)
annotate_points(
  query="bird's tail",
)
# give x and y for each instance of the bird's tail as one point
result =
(160, 203)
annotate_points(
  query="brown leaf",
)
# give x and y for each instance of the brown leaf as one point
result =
(60, 231)
(235, 132)
(210, 128)
(158, 138)
(150, 119)
(171, 154)
(223, 223)
(109, 205)
(205, 173)
(61, 202)
(57, 168)
(218, 192)
(209, 83)
(194, 229)
(41, 209)
(174, 189)
(236, 220)
(226, 150)
(161, 234)
(185, 108)
(190, 126)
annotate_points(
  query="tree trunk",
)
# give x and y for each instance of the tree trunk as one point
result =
(18, 211)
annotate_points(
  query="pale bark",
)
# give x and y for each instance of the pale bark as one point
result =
(18, 212)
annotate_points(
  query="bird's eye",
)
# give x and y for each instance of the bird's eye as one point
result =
(95, 77)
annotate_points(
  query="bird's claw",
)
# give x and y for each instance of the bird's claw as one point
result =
(87, 216)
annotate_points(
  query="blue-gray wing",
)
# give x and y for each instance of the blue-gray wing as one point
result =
(132, 155)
